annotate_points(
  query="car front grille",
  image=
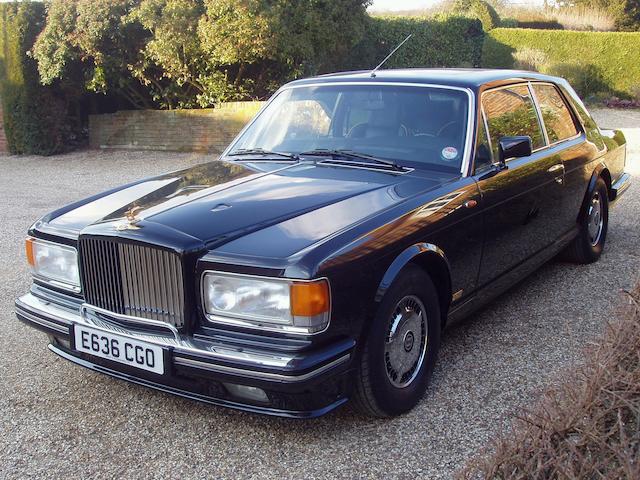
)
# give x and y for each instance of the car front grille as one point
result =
(134, 280)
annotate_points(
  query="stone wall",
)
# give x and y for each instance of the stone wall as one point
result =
(208, 130)
(3, 139)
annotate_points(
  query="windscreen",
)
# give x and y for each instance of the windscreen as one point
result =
(423, 127)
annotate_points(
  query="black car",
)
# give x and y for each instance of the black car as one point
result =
(321, 257)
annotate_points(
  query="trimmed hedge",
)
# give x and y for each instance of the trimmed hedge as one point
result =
(593, 62)
(439, 42)
(34, 116)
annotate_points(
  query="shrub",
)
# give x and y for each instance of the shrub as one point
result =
(594, 62)
(587, 426)
(479, 9)
(195, 53)
(550, 24)
(438, 42)
(529, 59)
(35, 117)
(93, 38)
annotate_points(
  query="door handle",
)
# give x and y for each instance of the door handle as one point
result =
(555, 168)
(559, 168)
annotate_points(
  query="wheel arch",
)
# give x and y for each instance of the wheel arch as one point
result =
(433, 261)
(601, 171)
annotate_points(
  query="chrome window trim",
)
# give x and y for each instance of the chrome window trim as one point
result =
(246, 321)
(511, 85)
(534, 99)
(466, 158)
(536, 104)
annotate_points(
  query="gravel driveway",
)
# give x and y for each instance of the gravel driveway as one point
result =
(59, 419)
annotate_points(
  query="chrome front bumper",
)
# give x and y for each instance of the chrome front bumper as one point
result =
(272, 370)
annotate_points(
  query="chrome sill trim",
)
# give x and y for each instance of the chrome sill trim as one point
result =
(188, 362)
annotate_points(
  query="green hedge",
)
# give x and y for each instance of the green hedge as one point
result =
(440, 42)
(34, 116)
(593, 62)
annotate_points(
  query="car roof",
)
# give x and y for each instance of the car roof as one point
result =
(459, 77)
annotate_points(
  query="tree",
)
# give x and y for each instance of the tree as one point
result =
(195, 53)
(90, 35)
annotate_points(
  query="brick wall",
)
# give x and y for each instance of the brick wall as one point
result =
(209, 130)
(3, 139)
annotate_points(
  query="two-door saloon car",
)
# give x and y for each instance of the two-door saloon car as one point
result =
(321, 256)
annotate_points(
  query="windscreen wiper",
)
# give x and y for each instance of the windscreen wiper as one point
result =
(262, 152)
(350, 155)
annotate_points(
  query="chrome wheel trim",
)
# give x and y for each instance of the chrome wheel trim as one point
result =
(406, 341)
(595, 219)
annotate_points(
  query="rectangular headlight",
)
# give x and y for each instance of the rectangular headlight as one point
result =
(54, 263)
(267, 303)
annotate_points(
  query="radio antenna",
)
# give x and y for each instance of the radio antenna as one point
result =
(373, 72)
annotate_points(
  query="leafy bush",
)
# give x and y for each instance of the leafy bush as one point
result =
(440, 42)
(550, 24)
(529, 59)
(479, 9)
(92, 38)
(195, 53)
(35, 117)
(593, 62)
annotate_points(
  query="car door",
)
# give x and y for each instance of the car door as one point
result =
(567, 141)
(522, 199)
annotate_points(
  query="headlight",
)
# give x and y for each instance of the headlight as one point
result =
(267, 303)
(54, 263)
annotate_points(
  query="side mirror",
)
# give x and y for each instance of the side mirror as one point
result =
(513, 147)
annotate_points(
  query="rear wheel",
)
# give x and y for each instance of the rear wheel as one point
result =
(402, 347)
(588, 245)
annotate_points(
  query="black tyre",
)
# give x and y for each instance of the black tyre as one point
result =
(401, 348)
(588, 245)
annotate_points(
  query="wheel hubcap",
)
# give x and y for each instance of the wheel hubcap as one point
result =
(595, 220)
(406, 341)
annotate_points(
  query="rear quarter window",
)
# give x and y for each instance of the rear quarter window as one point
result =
(555, 113)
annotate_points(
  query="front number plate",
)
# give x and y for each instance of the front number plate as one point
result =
(119, 349)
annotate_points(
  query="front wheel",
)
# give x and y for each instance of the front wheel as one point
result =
(588, 245)
(401, 348)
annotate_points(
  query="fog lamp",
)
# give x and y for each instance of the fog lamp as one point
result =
(246, 392)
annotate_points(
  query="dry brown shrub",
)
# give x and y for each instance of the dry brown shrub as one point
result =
(586, 427)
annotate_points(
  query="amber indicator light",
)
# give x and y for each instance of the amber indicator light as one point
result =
(309, 299)
(29, 249)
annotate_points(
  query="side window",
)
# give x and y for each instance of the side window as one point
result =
(511, 111)
(483, 149)
(555, 114)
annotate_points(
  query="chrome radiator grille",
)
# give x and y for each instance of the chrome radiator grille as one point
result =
(134, 280)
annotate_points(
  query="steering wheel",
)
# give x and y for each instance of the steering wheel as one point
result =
(445, 126)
